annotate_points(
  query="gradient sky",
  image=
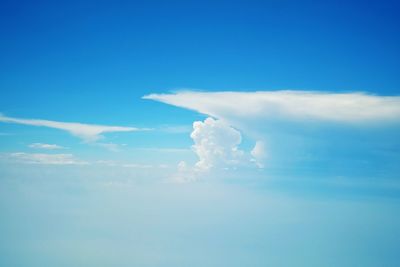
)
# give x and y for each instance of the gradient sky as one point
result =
(294, 159)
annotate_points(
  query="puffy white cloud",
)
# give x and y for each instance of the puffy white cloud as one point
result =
(216, 144)
(87, 132)
(47, 159)
(46, 146)
(288, 105)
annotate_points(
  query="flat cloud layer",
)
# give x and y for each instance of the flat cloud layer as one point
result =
(47, 159)
(87, 132)
(45, 146)
(289, 105)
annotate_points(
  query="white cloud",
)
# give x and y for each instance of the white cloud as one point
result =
(288, 105)
(47, 159)
(285, 122)
(259, 154)
(87, 132)
(216, 144)
(70, 159)
(46, 146)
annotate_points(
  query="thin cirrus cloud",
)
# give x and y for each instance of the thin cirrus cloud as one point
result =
(346, 108)
(87, 132)
(46, 146)
(46, 159)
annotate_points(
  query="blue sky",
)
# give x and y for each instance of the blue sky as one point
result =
(193, 133)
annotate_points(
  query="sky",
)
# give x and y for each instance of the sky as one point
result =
(199, 133)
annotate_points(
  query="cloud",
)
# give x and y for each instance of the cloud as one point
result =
(46, 146)
(216, 144)
(70, 159)
(47, 159)
(87, 132)
(259, 154)
(348, 108)
(294, 130)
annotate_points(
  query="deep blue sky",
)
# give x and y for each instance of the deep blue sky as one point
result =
(65, 55)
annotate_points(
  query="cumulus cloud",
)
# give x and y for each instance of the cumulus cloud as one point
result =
(46, 146)
(216, 144)
(288, 105)
(87, 132)
(47, 159)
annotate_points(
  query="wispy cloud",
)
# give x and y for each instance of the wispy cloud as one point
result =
(46, 146)
(87, 132)
(70, 159)
(46, 159)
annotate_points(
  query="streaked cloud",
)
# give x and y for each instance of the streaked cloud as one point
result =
(46, 146)
(46, 159)
(70, 159)
(87, 132)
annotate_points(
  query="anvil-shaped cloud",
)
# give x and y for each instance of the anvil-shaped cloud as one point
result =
(288, 105)
(298, 126)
